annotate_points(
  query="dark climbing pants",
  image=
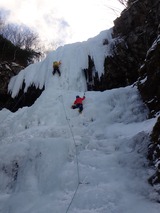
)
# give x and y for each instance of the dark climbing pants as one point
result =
(56, 69)
(80, 106)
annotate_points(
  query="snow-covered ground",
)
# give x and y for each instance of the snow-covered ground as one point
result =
(53, 159)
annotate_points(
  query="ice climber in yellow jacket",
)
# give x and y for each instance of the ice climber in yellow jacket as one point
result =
(56, 65)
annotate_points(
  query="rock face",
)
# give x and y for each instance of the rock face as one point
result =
(149, 88)
(136, 30)
(148, 83)
(8, 70)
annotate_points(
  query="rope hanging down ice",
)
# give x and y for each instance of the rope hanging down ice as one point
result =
(77, 163)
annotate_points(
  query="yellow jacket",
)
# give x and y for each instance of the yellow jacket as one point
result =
(56, 63)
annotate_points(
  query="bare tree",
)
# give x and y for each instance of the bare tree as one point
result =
(20, 36)
(124, 2)
(31, 40)
(2, 21)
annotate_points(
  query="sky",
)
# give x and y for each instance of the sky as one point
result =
(53, 159)
(60, 21)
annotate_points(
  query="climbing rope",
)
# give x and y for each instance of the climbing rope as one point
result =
(77, 163)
